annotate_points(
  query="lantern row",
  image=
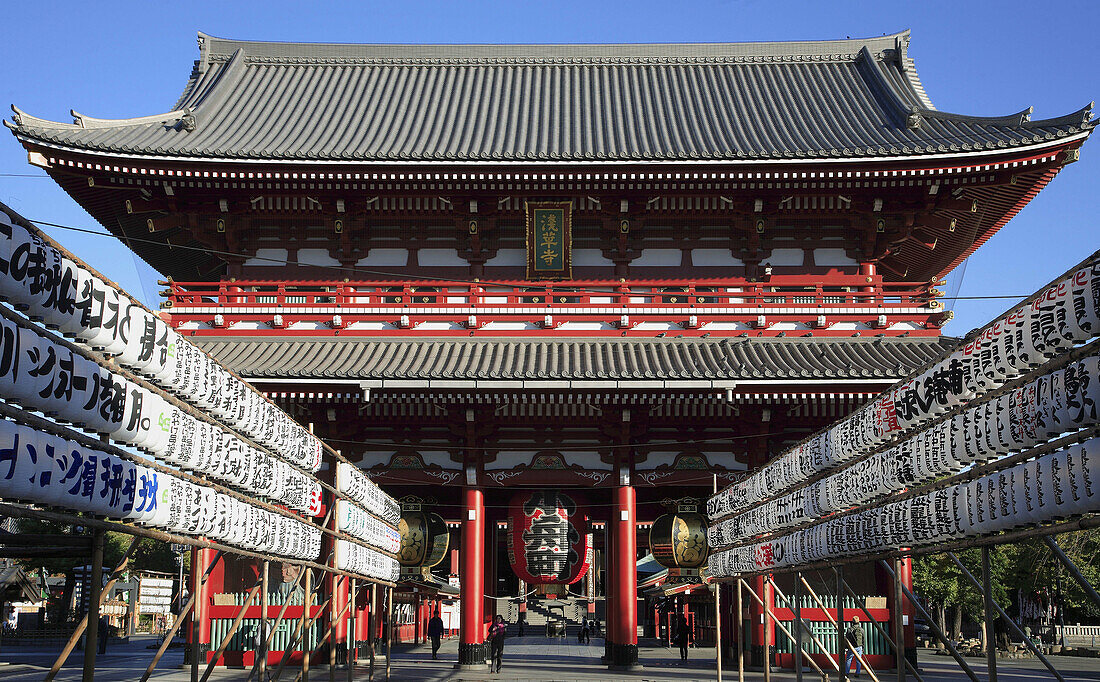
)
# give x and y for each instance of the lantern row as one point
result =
(39, 278)
(356, 522)
(1053, 321)
(353, 483)
(48, 470)
(1051, 487)
(365, 561)
(1060, 401)
(42, 374)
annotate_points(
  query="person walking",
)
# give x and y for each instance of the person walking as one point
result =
(497, 632)
(854, 635)
(435, 632)
(583, 635)
(682, 637)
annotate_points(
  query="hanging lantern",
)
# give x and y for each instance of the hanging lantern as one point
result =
(547, 538)
(679, 540)
(424, 539)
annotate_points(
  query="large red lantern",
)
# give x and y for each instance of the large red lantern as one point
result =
(548, 537)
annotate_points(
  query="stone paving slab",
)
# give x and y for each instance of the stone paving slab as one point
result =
(534, 659)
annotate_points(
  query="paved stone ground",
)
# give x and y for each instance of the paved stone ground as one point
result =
(536, 659)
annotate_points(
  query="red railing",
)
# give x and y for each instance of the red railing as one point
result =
(791, 304)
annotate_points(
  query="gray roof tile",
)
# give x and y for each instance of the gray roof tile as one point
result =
(576, 359)
(770, 101)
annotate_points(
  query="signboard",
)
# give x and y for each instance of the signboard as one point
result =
(155, 595)
(550, 240)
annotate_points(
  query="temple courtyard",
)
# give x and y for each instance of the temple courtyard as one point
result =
(526, 658)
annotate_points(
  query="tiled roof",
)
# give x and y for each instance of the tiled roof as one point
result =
(576, 359)
(538, 103)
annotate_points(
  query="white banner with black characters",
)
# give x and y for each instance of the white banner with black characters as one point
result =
(35, 276)
(1052, 321)
(1061, 401)
(1048, 488)
(356, 522)
(41, 374)
(356, 485)
(365, 561)
(51, 471)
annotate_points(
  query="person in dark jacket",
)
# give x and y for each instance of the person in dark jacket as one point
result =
(435, 632)
(683, 637)
(854, 635)
(497, 632)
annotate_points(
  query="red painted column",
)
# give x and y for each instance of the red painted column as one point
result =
(362, 618)
(908, 611)
(471, 644)
(624, 576)
(763, 635)
(200, 561)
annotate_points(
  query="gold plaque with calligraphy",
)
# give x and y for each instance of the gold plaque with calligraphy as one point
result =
(549, 240)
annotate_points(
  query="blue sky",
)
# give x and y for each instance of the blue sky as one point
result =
(119, 59)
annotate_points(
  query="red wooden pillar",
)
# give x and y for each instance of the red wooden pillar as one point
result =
(908, 612)
(471, 645)
(362, 619)
(200, 561)
(763, 635)
(624, 580)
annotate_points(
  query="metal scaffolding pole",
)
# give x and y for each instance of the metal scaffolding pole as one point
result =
(1008, 621)
(932, 624)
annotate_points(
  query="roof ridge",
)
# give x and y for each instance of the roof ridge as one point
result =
(213, 49)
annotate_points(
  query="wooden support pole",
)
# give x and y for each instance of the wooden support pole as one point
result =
(372, 602)
(261, 652)
(902, 661)
(932, 624)
(820, 605)
(71, 644)
(885, 635)
(389, 629)
(740, 624)
(1086, 586)
(990, 634)
(351, 629)
(841, 643)
(717, 611)
(179, 620)
(306, 648)
(787, 632)
(766, 599)
(278, 620)
(796, 607)
(1011, 624)
(232, 631)
(296, 638)
(95, 592)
